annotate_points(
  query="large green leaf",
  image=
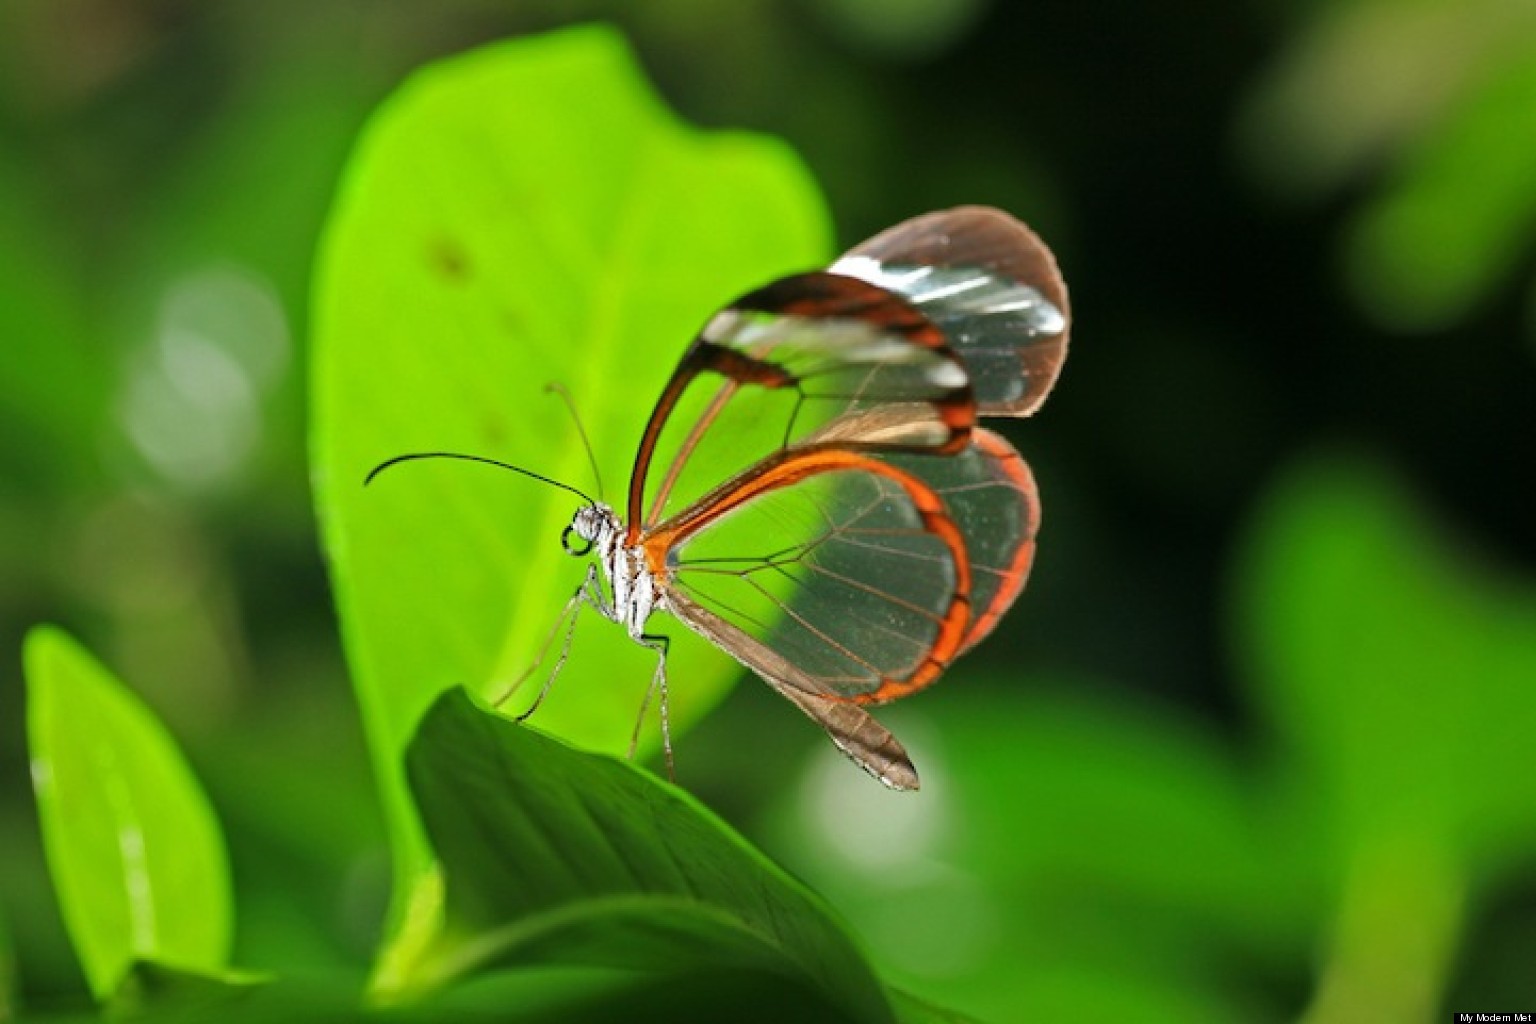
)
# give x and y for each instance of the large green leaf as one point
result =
(524, 214)
(551, 855)
(134, 848)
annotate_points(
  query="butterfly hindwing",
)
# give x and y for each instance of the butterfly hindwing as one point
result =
(861, 569)
(855, 731)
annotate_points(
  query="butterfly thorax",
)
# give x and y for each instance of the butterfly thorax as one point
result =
(631, 584)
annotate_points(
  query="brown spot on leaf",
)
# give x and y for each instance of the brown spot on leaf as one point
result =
(449, 258)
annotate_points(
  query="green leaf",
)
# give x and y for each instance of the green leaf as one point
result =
(554, 856)
(1455, 224)
(530, 995)
(1346, 90)
(523, 214)
(586, 995)
(1397, 670)
(133, 846)
(912, 1010)
(1397, 667)
(154, 991)
(1347, 100)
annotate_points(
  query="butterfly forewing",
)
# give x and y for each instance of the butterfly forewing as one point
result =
(990, 286)
(853, 729)
(780, 364)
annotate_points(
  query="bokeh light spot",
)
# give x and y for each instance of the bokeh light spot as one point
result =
(192, 402)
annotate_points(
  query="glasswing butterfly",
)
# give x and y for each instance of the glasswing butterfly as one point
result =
(812, 492)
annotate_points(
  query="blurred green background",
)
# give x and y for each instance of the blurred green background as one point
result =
(1254, 745)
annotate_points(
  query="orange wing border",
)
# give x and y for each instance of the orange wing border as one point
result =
(1016, 574)
(955, 625)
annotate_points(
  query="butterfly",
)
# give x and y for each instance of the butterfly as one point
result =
(813, 493)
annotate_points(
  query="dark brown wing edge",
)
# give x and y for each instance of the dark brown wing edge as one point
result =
(855, 732)
(974, 236)
(993, 241)
(817, 294)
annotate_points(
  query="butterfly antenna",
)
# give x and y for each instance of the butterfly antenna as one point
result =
(565, 396)
(414, 456)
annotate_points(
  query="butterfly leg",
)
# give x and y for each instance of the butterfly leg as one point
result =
(587, 593)
(660, 644)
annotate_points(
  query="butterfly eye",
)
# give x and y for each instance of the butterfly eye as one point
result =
(566, 542)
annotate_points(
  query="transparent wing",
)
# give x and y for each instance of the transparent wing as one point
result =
(777, 366)
(990, 285)
(868, 574)
(868, 743)
(989, 492)
(847, 567)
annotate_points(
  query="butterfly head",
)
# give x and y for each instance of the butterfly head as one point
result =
(594, 525)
